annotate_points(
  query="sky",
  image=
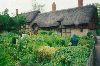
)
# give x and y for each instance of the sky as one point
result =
(26, 5)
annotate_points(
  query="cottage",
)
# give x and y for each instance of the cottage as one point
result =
(79, 20)
(30, 16)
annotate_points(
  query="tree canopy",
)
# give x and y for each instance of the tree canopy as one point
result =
(37, 6)
(8, 23)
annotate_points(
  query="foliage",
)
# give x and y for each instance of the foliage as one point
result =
(6, 38)
(98, 23)
(44, 53)
(86, 41)
(11, 23)
(5, 58)
(51, 40)
(19, 21)
(89, 34)
(43, 50)
(98, 31)
(7, 49)
(71, 56)
(16, 53)
(42, 32)
(98, 7)
(65, 56)
(37, 6)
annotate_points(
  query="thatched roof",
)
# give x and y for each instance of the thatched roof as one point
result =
(30, 16)
(74, 16)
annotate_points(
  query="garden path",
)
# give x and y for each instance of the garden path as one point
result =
(97, 54)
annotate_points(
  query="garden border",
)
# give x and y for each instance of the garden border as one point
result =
(90, 61)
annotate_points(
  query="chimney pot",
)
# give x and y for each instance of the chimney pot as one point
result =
(80, 3)
(53, 7)
(16, 11)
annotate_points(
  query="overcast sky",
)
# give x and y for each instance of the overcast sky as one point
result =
(26, 5)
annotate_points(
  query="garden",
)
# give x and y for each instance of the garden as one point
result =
(45, 49)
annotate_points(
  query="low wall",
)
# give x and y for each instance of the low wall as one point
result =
(98, 37)
(90, 61)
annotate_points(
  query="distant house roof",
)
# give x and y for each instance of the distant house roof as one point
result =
(74, 16)
(30, 16)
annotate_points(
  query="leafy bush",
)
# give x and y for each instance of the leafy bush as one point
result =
(7, 49)
(71, 56)
(6, 37)
(50, 40)
(98, 31)
(5, 58)
(44, 53)
(86, 41)
(63, 56)
(89, 34)
(28, 60)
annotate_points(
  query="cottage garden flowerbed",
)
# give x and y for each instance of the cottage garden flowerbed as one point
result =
(44, 49)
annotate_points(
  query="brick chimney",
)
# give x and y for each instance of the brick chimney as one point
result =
(16, 12)
(80, 3)
(53, 7)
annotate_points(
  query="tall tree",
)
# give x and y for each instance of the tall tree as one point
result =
(37, 6)
(8, 23)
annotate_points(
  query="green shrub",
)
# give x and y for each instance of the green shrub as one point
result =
(63, 56)
(6, 56)
(86, 41)
(28, 60)
(44, 53)
(98, 32)
(51, 40)
(71, 56)
(8, 50)
(89, 34)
